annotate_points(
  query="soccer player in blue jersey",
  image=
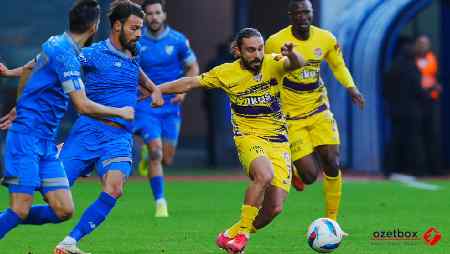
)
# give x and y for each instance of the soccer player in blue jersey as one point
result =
(31, 162)
(166, 56)
(112, 74)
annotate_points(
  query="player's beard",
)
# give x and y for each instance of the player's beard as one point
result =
(157, 28)
(127, 44)
(89, 41)
(248, 65)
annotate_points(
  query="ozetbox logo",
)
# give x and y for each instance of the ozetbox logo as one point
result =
(431, 237)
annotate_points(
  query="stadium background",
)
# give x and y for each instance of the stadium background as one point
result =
(367, 31)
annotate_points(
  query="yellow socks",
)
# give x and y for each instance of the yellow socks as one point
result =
(245, 225)
(332, 188)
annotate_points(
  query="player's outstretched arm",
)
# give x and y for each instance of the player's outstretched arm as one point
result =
(87, 107)
(294, 60)
(17, 72)
(191, 70)
(181, 85)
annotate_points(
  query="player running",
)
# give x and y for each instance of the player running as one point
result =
(260, 133)
(112, 73)
(313, 133)
(31, 162)
(165, 56)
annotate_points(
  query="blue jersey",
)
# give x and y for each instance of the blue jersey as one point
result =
(111, 77)
(163, 59)
(44, 100)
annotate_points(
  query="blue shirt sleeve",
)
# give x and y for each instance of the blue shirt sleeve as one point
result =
(186, 54)
(68, 69)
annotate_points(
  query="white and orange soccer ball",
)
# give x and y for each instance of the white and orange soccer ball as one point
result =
(324, 235)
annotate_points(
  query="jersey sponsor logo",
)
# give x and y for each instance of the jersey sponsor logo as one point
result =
(71, 73)
(309, 74)
(318, 52)
(254, 100)
(118, 64)
(169, 49)
(144, 48)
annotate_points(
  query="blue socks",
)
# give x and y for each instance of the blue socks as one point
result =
(8, 220)
(93, 216)
(157, 185)
(41, 214)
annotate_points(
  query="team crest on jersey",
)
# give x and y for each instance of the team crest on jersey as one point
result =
(118, 64)
(143, 48)
(169, 49)
(318, 52)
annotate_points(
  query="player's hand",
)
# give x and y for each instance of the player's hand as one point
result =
(157, 99)
(287, 49)
(357, 97)
(3, 70)
(8, 119)
(178, 99)
(127, 113)
(143, 93)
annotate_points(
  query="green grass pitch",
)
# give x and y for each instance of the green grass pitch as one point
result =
(201, 209)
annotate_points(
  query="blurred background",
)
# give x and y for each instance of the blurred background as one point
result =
(372, 35)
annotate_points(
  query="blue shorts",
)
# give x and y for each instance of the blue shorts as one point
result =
(158, 125)
(94, 144)
(31, 164)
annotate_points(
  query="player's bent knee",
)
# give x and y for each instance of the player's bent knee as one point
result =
(115, 191)
(263, 177)
(64, 212)
(156, 154)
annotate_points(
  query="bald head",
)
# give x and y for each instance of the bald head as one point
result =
(301, 15)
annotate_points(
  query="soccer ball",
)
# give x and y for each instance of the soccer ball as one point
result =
(324, 235)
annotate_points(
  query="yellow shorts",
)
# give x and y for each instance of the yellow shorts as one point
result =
(251, 147)
(316, 130)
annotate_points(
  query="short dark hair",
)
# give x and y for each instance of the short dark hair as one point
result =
(82, 15)
(293, 3)
(247, 32)
(121, 10)
(150, 2)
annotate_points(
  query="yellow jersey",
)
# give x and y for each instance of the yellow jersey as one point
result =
(255, 99)
(303, 90)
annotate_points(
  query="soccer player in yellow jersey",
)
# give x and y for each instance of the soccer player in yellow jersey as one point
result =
(253, 84)
(313, 133)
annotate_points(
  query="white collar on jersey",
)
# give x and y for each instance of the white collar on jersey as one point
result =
(166, 31)
(115, 50)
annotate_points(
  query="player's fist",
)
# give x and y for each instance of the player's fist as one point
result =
(127, 113)
(8, 119)
(157, 99)
(3, 70)
(287, 49)
(178, 99)
(357, 97)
